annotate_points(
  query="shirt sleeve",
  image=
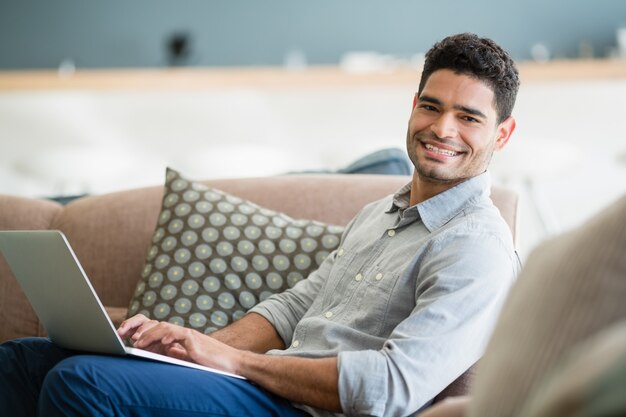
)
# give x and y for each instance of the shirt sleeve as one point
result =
(461, 284)
(286, 309)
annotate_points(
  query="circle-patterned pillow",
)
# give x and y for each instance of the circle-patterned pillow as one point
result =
(214, 256)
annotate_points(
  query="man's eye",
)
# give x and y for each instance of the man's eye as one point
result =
(428, 107)
(470, 119)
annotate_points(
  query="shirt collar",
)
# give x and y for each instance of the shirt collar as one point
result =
(440, 209)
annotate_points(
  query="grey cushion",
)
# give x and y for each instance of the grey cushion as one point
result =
(214, 256)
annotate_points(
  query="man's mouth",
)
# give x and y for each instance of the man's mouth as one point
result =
(440, 151)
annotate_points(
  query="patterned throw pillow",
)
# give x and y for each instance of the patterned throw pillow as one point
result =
(214, 256)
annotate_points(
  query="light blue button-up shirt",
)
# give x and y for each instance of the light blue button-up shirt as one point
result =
(406, 303)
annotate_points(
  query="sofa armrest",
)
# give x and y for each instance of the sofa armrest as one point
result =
(17, 318)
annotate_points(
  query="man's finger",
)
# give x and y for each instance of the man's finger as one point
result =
(156, 334)
(144, 327)
(177, 351)
(131, 324)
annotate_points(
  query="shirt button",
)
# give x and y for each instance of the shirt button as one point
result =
(379, 276)
(358, 277)
(295, 343)
(328, 314)
(340, 252)
(391, 233)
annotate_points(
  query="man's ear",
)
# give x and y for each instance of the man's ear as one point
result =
(504, 132)
(414, 102)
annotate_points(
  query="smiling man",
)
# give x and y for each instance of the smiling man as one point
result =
(400, 310)
(461, 114)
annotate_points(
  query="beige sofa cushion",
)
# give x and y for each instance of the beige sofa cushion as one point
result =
(570, 288)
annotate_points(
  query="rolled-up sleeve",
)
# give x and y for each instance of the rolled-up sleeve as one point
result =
(458, 294)
(284, 310)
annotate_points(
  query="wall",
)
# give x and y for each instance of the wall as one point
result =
(567, 157)
(115, 33)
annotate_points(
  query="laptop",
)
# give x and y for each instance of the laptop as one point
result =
(63, 298)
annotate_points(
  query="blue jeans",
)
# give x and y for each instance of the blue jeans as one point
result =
(40, 378)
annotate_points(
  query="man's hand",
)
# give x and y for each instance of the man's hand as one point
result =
(134, 327)
(253, 332)
(187, 344)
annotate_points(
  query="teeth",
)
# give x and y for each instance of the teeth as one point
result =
(440, 151)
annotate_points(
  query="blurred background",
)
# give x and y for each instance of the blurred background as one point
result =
(101, 96)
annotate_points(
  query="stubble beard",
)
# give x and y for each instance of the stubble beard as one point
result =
(443, 175)
(431, 175)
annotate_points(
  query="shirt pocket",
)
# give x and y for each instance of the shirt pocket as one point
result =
(341, 279)
(371, 302)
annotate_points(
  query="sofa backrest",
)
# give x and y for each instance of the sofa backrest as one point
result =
(110, 233)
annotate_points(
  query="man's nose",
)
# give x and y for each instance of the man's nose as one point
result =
(444, 126)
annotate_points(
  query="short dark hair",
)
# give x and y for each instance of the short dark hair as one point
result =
(481, 58)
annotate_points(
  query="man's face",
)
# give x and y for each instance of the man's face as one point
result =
(453, 128)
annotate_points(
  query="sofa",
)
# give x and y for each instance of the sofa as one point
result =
(111, 233)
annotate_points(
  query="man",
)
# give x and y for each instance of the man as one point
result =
(401, 309)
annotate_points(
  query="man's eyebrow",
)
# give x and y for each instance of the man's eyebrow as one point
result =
(430, 100)
(469, 110)
(474, 112)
